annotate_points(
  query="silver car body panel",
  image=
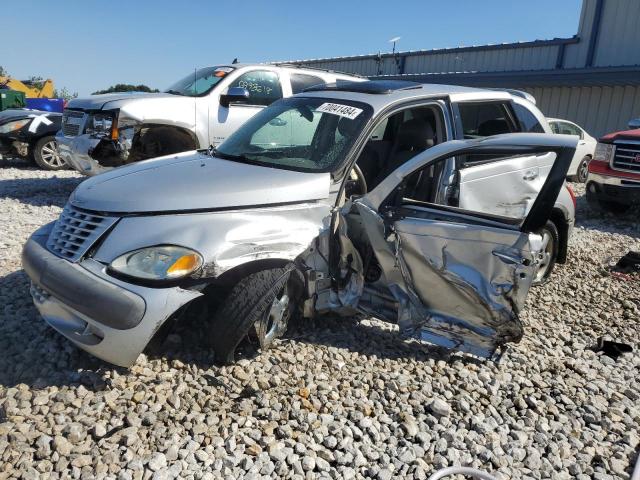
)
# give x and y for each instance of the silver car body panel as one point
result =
(196, 181)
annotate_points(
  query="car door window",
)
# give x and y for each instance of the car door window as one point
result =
(483, 119)
(263, 86)
(555, 128)
(528, 121)
(569, 129)
(300, 81)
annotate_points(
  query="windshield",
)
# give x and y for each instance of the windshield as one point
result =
(199, 82)
(297, 133)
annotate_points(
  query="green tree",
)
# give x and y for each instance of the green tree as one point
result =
(3, 72)
(35, 82)
(64, 93)
(126, 87)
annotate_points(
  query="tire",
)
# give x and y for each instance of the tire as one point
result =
(46, 156)
(156, 142)
(255, 306)
(583, 170)
(549, 255)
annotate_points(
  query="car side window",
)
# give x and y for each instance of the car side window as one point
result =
(483, 119)
(300, 81)
(528, 121)
(555, 128)
(569, 129)
(263, 86)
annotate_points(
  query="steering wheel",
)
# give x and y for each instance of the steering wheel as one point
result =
(357, 177)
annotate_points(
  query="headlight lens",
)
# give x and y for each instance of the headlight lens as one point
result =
(164, 262)
(100, 124)
(603, 152)
(13, 126)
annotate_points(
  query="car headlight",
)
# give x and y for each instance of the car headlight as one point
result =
(163, 262)
(13, 126)
(101, 124)
(603, 152)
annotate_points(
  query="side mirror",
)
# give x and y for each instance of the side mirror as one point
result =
(635, 123)
(234, 95)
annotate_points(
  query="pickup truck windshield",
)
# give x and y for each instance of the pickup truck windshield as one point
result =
(200, 82)
(297, 133)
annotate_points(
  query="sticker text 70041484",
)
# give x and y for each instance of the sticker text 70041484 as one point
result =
(340, 110)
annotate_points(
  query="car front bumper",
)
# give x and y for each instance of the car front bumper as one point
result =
(108, 318)
(614, 189)
(76, 151)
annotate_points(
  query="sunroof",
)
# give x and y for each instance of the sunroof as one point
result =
(369, 86)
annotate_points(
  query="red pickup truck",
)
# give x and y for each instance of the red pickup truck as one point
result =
(613, 183)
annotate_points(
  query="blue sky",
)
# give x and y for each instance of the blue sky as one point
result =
(86, 45)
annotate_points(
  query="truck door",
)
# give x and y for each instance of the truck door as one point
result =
(264, 87)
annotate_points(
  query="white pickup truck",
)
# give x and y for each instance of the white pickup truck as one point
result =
(105, 131)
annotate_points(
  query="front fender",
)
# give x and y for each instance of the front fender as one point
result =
(226, 240)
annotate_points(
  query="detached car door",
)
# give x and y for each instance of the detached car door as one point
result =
(460, 276)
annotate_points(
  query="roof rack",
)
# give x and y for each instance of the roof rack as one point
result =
(376, 87)
(303, 66)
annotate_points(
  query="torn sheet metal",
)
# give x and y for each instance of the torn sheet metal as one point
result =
(457, 286)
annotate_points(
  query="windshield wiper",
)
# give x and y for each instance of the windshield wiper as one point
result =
(174, 92)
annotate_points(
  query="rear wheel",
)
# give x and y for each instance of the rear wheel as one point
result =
(549, 254)
(46, 155)
(260, 306)
(583, 170)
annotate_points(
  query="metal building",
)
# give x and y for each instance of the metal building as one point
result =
(592, 78)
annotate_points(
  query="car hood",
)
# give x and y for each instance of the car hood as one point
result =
(97, 102)
(19, 113)
(195, 181)
(624, 135)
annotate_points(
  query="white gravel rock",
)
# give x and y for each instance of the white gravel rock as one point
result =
(336, 398)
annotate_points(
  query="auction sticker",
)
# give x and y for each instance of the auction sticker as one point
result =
(340, 110)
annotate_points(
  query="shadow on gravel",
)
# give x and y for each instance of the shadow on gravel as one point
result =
(32, 352)
(39, 191)
(588, 217)
(19, 163)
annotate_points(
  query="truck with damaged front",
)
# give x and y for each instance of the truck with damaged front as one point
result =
(391, 199)
(105, 131)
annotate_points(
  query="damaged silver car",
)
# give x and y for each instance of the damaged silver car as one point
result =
(350, 198)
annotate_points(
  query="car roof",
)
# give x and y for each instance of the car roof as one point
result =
(381, 93)
(289, 66)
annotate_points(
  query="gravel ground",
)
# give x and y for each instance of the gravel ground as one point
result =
(336, 399)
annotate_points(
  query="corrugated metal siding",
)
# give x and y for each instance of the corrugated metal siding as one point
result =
(599, 110)
(486, 60)
(575, 55)
(619, 37)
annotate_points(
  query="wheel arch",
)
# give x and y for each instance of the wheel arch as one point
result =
(173, 132)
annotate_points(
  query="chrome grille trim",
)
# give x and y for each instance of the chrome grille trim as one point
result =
(72, 122)
(76, 231)
(626, 156)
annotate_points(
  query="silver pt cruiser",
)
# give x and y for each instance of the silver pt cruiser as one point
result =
(416, 204)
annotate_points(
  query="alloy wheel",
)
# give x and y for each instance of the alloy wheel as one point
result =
(50, 155)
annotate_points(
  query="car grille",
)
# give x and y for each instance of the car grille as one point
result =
(76, 231)
(627, 156)
(72, 121)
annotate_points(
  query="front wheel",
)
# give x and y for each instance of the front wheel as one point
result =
(259, 306)
(547, 257)
(46, 155)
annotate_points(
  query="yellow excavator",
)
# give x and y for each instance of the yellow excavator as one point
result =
(30, 91)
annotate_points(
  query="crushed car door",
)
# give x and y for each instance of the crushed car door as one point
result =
(460, 277)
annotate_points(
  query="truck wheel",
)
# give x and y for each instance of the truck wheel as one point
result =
(547, 258)
(159, 141)
(260, 305)
(46, 155)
